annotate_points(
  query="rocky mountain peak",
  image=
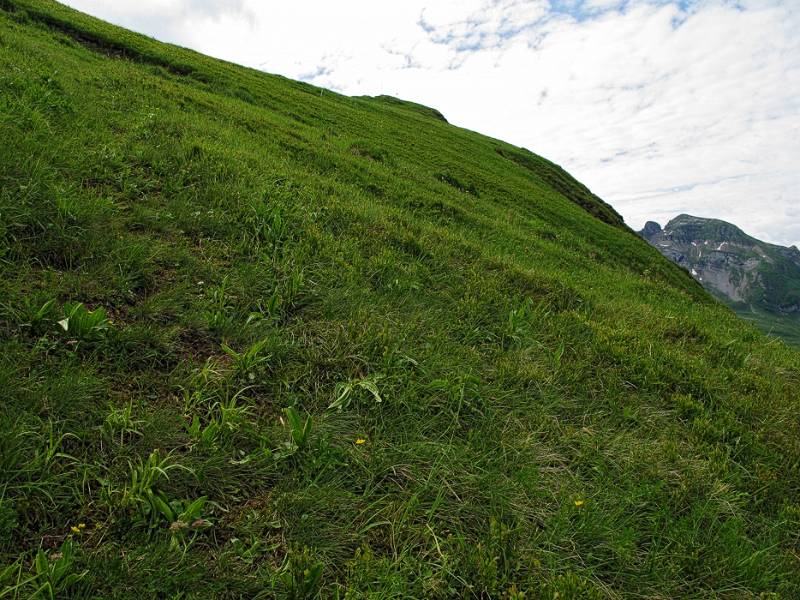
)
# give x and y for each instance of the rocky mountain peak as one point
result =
(741, 270)
(650, 228)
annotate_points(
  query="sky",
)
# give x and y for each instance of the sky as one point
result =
(661, 107)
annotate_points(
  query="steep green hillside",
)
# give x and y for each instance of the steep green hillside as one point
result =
(259, 339)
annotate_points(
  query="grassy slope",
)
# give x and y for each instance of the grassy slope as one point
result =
(787, 328)
(562, 411)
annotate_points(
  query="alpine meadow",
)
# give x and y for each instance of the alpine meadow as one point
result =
(261, 340)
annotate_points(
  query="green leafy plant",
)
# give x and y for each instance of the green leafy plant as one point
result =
(54, 577)
(299, 435)
(268, 310)
(276, 229)
(296, 283)
(463, 392)
(223, 417)
(301, 576)
(205, 386)
(299, 428)
(142, 494)
(35, 316)
(232, 414)
(120, 424)
(49, 448)
(82, 324)
(54, 573)
(345, 392)
(250, 551)
(517, 323)
(245, 363)
(204, 434)
(184, 513)
(218, 316)
(186, 519)
(494, 559)
(12, 579)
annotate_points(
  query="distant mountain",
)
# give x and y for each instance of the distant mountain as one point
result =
(760, 281)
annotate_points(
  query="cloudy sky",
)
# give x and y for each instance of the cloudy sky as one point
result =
(659, 106)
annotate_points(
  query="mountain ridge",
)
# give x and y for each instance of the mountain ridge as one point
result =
(756, 278)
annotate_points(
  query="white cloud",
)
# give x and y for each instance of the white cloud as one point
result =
(601, 4)
(659, 106)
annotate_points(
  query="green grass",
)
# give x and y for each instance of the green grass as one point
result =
(335, 347)
(784, 327)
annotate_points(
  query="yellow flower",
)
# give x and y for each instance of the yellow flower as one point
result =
(81, 525)
(579, 503)
(361, 441)
(74, 529)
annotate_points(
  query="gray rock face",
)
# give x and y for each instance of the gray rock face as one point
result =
(739, 269)
(651, 228)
